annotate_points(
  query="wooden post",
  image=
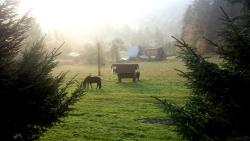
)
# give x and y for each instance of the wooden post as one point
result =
(99, 58)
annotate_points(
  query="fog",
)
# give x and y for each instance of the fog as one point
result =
(80, 22)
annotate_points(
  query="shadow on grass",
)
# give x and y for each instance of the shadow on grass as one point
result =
(164, 121)
(77, 114)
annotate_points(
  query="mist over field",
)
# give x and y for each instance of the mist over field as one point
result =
(85, 22)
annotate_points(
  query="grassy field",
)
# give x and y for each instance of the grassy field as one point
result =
(123, 111)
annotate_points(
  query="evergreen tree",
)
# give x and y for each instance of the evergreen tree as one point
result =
(202, 20)
(218, 107)
(31, 98)
(245, 3)
(12, 34)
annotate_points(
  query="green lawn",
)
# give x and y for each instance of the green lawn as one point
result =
(117, 111)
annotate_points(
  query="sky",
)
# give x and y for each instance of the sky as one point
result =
(84, 14)
(83, 21)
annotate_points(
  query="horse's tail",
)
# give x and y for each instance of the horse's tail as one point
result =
(99, 82)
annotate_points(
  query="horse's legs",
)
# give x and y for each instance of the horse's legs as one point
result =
(98, 85)
(138, 76)
(119, 79)
(134, 79)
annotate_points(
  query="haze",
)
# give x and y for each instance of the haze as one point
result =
(84, 20)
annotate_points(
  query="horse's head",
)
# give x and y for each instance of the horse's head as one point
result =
(84, 83)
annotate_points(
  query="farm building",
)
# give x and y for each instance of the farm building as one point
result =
(131, 53)
(144, 53)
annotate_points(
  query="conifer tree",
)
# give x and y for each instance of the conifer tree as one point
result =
(31, 98)
(12, 34)
(218, 107)
(202, 20)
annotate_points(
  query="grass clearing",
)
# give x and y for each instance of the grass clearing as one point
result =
(115, 112)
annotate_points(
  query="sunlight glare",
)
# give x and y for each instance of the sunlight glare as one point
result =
(87, 13)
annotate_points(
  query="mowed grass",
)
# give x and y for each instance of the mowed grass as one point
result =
(116, 112)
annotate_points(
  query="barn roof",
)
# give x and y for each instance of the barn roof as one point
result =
(139, 51)
(131, 52)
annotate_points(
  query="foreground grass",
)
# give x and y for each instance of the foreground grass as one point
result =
(116, 112)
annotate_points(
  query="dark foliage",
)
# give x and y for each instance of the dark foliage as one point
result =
(246, 3)
(12, 34)
(31, 98)
(218, 108)
(202, 19)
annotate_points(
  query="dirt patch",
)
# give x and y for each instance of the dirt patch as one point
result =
(166, 121)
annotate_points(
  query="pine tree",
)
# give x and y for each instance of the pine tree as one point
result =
(202, 20)
(12, 34)
(31, 98)
(218, 107)
(37, 99)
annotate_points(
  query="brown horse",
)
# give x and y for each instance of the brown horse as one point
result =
(92, 79)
